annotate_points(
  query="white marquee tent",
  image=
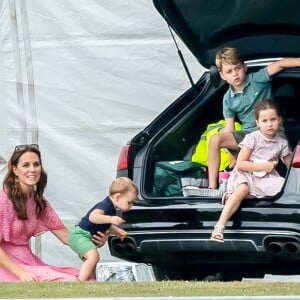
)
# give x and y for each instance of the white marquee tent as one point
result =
(80, 78)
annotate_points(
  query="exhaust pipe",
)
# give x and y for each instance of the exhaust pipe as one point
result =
(292, 247)
(118, 249)
(126, 249)
(123, 248)
(129, 249)
(275, 247)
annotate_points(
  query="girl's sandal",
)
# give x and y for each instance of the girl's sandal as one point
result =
(217, 234)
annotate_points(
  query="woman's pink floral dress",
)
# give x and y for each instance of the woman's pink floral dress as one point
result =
(14, 241)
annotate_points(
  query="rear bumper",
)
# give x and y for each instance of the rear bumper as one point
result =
(195, 248)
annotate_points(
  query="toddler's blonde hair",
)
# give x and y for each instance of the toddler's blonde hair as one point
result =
(122, 185)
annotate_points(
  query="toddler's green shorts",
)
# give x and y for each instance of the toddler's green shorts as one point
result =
(80, 241)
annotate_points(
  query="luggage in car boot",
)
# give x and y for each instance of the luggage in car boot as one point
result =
(171, 176)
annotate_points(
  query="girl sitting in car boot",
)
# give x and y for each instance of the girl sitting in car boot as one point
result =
(254, 175)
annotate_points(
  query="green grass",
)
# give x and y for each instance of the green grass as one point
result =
(147, 289)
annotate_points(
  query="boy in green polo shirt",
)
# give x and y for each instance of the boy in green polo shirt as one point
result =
(244, 91)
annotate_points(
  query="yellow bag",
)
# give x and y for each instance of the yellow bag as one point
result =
(201, 152)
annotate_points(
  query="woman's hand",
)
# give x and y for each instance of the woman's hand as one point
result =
(27, 277)
(100, 238)
(7, 264)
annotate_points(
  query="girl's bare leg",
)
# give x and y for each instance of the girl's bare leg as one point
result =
(233, 203)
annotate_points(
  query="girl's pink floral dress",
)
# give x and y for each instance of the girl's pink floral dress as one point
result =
(262, 148)
(14, 241)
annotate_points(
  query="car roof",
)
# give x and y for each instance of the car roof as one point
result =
(258, 28)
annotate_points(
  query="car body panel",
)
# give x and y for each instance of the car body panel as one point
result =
(173, 233)
(259, 29)
(179, 235)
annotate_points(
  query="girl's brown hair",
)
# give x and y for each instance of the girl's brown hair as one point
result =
(13, 189)
(265, 104)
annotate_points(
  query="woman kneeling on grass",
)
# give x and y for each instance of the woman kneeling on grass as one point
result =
(25, 213)
(254, 175)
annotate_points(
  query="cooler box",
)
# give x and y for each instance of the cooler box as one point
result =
(124, 271)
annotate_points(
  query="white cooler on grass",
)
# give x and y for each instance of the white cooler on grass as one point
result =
(124, 271)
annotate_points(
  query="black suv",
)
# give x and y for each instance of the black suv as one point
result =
(172, 232)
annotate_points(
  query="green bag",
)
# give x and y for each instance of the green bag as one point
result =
(171, 176)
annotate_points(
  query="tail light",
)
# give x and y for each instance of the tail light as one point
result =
(123, 162)
(296, 159)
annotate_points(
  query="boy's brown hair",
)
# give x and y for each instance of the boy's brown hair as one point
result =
(122, 185)
(228, 55)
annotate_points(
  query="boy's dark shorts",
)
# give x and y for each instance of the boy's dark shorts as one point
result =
(238, 137)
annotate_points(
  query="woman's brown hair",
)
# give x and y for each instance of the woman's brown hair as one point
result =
(12, 187)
